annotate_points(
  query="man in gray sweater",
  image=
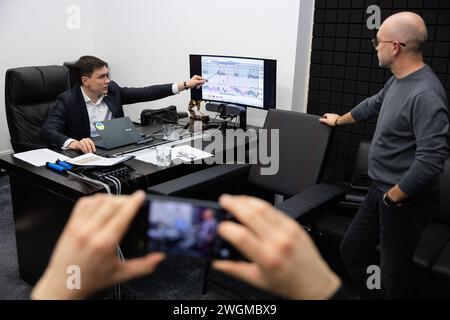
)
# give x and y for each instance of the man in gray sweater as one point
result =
(406, 159)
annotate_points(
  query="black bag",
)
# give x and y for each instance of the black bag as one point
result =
(159, 116)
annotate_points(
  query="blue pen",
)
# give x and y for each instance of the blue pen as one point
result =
(56, 168)
(64, 164)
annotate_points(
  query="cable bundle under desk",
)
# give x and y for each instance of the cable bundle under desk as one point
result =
(102, 177)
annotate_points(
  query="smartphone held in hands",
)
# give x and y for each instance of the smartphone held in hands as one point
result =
(178, 226)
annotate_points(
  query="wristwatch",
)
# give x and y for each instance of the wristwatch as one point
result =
(185, 85)
(389, 202)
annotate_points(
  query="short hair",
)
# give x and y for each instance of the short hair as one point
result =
(86, 65)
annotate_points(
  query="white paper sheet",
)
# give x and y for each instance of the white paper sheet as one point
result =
(184, 153)
(90, 159)
(146, 155)
(39, 157)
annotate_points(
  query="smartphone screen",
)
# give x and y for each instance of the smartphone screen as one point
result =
(179, 226)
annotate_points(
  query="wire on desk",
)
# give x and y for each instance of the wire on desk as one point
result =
(89, 180)
(118, 183)
(114, 183)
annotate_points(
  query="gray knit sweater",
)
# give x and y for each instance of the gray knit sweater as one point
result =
(410, 144)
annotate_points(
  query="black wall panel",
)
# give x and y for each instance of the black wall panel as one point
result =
(344, 67)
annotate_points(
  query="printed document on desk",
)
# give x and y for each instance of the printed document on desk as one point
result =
(188, 153)
(39, 157)
(90, 159)
(184, 153)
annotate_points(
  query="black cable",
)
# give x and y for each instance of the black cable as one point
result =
(118, 183)
(114, 183)
(85, 185)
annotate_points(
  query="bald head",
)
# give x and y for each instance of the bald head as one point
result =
(408, 28)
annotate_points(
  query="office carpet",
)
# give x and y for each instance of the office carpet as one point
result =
(176, 278)
(11, 286)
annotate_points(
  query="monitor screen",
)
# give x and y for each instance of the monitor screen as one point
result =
(235, 80)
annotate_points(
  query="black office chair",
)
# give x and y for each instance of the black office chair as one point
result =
(432, 256)
(29, 94)
(303, 142)
(328, 227)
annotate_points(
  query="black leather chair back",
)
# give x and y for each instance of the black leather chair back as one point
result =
(29, 94)
(359, 185)
(303, 142)
(360, 177)
(72, 73)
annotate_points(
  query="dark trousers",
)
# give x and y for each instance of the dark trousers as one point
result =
(397, 230)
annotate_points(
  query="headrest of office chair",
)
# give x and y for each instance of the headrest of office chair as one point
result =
(302, 144)
(32, 85)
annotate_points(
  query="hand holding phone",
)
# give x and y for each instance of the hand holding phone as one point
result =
(179, 226)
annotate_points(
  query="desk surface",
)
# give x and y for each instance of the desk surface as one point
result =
(142, 174)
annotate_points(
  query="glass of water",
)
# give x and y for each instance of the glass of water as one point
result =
(163, 155)
(170, 132)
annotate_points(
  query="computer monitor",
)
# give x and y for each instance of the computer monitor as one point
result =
(248, 82)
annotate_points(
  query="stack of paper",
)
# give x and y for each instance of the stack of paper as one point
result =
(40, 157)
(90, 159)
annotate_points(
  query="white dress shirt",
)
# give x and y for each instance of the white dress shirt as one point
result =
(99, 111)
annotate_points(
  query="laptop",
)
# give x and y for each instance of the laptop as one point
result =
(115, 133)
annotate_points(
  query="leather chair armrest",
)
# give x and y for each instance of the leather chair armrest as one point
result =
(311, 200)
(442, 265)
(433, 239)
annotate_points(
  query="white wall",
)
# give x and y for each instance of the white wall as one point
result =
(303, 56)
(35, 33)
(149, 41)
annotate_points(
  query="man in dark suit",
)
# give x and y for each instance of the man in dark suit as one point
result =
(69, 124)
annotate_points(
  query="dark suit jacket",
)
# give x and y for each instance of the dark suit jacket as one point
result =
(69, 117)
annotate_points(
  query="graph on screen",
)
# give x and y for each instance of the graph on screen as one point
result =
(233, 80)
